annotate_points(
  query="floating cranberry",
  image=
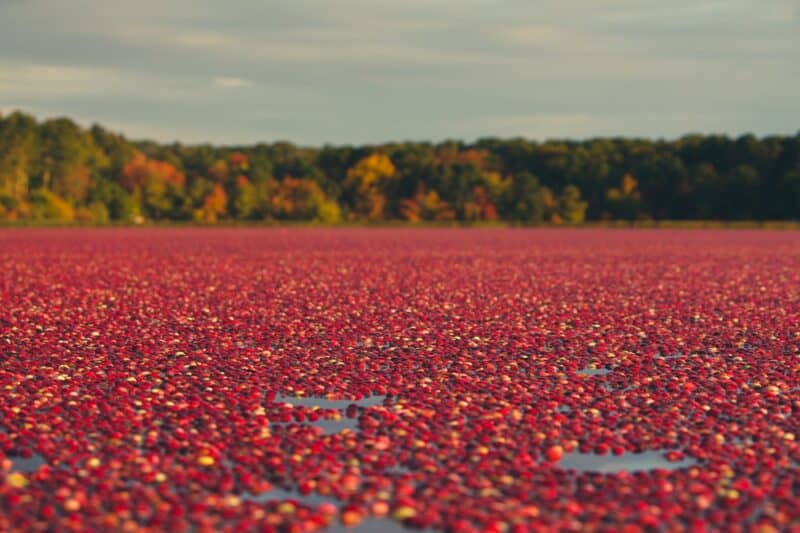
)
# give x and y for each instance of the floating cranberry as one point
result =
(554, 453)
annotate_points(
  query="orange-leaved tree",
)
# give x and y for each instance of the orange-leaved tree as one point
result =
(214, 205)
(426, 206)
(156, 186)
(302, 199)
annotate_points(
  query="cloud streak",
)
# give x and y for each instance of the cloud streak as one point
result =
(51, 79)
(232, 83)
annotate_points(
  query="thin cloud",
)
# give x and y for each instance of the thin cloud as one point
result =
(51, 79)
(232, 83)
(341, 45)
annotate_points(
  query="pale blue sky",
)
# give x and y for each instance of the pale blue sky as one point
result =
(361, 71)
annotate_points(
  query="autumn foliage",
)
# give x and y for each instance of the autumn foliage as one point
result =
(101, 176)
(141, 171)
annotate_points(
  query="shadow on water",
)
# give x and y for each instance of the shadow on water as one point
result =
(627, 462)
(27, 464)
(329, 427)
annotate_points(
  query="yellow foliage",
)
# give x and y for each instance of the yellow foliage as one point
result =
(329, 212)
(48, 206)
(431, 201)
(219, 170)
(409, 210)
(548, 199)
(366, 177)
(214, 205)
(429, 206)
(629, 184)
(370, 171)
(216, 200)
(493, 179)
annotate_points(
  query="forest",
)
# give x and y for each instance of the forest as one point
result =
(56, 170)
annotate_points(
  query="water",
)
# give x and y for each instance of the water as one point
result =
(279, 495)
(329, 427)
(324, 403)
(400, 470)
(27, 464)
(373, 525)
(593, 371)
(627, 462)
(368, 525)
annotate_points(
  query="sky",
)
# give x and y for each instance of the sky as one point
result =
(368, 71)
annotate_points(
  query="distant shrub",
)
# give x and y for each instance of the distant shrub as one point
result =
(95, 213)
(46, 205)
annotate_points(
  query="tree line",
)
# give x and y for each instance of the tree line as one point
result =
(57, 170)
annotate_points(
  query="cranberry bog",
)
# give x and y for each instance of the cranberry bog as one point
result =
(395, 379)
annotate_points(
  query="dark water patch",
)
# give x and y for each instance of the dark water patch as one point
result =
(400, 470)
(27, 464)
(627, 462)
(674, 355)
(277, 494)
(373, 525)
(329, 427)
(593, 371)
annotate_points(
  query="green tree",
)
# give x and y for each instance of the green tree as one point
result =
(570, 206)
(244, 201)
(527, 201)
(48, 206)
